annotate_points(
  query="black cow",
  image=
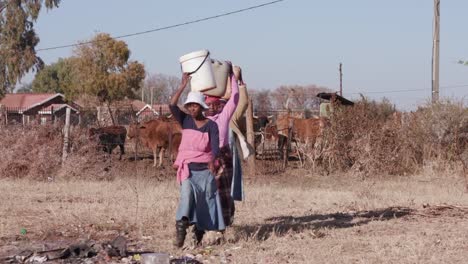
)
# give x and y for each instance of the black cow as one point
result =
(109, 138)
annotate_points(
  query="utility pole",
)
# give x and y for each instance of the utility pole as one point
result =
(152, 96)
(66, 135)
(435, 53)
(341, 79)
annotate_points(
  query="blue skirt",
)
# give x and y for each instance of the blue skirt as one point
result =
(199, 201)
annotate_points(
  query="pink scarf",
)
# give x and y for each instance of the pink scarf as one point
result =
(194, 147)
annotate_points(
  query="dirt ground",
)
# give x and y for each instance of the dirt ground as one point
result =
(296, 217)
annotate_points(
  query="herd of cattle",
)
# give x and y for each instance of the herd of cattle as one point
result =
(164, 134)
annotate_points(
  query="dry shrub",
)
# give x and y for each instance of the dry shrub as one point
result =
(30, 151)
(35, 152)
(371, 138)
(84, 161)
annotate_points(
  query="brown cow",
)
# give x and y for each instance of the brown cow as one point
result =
(109, 138)
(156, 134)
(263, 128)
(304, 131)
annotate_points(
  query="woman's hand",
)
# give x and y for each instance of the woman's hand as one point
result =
(230, 70)
(183, 84)
(185, 80)
(211, 167)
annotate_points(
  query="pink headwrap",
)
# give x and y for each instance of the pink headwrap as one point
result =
(211, 99)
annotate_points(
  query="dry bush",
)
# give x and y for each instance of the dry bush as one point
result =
(30, 151)
(84, 161)
(371, 138)
(35, 152)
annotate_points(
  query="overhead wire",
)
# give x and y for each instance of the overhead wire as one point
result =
(168, 27)
(410, 90)
(302, 94)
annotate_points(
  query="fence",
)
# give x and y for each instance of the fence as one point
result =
(86, 117)
(123, 116)
(16, 116)
(269, 158)
(275, 151)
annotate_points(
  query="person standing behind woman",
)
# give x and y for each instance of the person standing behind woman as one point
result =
(221, 113)
(199, 203)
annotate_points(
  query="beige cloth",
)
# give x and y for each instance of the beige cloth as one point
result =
(237, 117)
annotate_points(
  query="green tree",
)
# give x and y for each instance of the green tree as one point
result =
(103, 68)
(57, 77)
(18, 39)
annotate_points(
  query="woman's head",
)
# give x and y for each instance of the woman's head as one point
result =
(195, 104)
(194, 109)
(215, 105)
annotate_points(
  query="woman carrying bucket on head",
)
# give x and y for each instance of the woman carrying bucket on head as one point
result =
(199, 199)
(221, 112)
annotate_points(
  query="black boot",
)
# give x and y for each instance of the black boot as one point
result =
(197, 235)
(181, 232)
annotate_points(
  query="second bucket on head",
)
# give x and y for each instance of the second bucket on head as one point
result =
(221, 71)
(198, 63)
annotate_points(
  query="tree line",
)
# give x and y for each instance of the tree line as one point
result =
(101, 67)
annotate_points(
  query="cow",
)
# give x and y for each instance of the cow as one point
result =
(109, 138)
(305, 131)
(262, 126)
(158, 134)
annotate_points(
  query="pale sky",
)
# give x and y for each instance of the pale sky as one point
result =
(385, 46)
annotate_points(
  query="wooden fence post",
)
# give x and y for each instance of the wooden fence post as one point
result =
(250, 137)
(66, 134)
(3, 115)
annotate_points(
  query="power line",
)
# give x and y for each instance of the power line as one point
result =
(392, 91)
(169, 27)
(411, 90)
(302, 94)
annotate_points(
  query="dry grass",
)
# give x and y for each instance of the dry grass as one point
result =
(295, 218)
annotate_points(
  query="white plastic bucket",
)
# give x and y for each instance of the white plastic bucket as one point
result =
(198, 63)
(221, 72)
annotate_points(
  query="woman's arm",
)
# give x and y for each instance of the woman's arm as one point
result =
(213, 135)
(179, 115)
(231, 104)
(175, 97)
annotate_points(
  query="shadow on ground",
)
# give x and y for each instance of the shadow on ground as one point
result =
(281, 225)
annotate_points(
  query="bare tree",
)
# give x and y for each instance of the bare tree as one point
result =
(297, 96)
(159, 87)
(262, 102)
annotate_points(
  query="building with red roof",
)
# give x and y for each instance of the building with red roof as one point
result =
(24, 108)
